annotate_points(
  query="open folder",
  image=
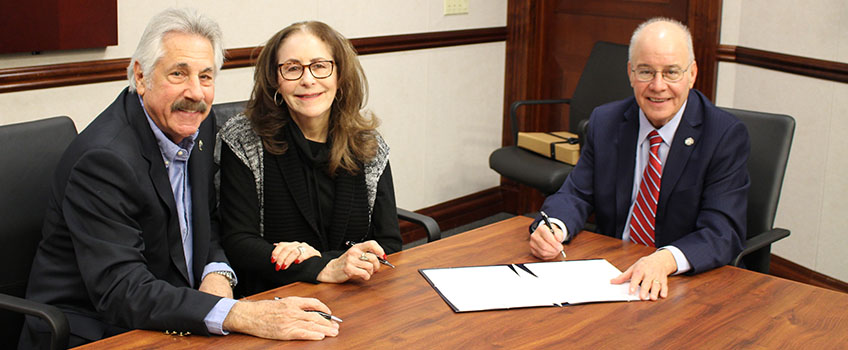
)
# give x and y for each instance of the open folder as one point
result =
(478, 288)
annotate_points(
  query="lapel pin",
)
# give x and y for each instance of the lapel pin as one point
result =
(688, 142)
(200, 144)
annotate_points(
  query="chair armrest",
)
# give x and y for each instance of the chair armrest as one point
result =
(759, 241)
(514, 106)
(582, 127)
(54, 317)
(434, 233)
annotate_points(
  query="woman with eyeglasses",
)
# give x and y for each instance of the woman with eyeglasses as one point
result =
(306, 188)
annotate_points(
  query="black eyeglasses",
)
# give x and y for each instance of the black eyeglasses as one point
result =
(294, 71)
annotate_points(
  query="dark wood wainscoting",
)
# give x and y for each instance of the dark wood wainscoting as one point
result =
(67, 74)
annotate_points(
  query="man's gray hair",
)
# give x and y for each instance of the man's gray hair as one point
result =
(638, 32)
(187, 21)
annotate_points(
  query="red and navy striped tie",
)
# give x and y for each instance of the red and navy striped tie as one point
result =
(645, 210)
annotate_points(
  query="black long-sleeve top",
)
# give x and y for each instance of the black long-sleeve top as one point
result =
(303, 204)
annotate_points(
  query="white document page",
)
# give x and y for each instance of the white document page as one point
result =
(582, 281)
(479, 288)
(485, 287)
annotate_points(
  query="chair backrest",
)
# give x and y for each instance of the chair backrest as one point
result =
(771, 139)
(604, 79)
(225, 111)
(29, 153)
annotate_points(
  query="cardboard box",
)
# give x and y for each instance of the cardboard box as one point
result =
(558, 145)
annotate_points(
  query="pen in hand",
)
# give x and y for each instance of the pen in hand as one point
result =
(379, 258)
(384, 261)
(323, 314)
(326, 315)
(550, 227)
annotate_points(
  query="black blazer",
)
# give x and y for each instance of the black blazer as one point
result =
(111, 257)
(704, 191)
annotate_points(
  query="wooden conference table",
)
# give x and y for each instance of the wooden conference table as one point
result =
(726, 308)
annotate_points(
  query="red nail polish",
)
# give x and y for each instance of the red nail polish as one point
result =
(384, 256)
(283, 267)
(297, 261)
(273, 259)
(277, 267)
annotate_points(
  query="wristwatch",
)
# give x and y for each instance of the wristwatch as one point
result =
(229, 276)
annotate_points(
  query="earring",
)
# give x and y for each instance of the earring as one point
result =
(275, 98)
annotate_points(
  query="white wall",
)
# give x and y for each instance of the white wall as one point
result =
(813, 204)
(441, 108)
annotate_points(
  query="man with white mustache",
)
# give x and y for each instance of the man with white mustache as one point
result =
(130, 236)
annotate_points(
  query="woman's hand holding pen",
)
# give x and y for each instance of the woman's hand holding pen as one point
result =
(544, 244)
(287, 253)
(358, 262)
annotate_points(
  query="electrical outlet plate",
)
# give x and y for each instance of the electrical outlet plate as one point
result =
(456, 7)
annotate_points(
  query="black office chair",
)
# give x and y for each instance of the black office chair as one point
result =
(604, 79)
(227, 110)
(434, 233)
(30, 153)
(771, 140)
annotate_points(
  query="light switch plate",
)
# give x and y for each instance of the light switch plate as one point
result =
(456, 7)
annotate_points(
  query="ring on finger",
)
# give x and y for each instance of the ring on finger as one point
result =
(657, 282)
(301, 250)
(363, 257)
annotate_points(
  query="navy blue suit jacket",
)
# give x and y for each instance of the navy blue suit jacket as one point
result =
(704, 190)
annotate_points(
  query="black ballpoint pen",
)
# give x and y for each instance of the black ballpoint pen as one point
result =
(326, 315)
(323, 314)
(384, 261)
(550, 227)
(379, 258)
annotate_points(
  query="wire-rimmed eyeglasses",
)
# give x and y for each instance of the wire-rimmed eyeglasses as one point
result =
(294, 71)
(671, 74)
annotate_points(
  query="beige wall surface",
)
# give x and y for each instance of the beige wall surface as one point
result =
(441, 109)
(813, 202)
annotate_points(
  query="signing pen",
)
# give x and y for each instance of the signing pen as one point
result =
(379, 258)
(326, 316)
(323, 314)
(384, 261)
(550, 227)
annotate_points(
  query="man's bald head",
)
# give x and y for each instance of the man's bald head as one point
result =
(657, 26)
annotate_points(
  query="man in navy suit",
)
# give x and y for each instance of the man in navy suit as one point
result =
(665, 168)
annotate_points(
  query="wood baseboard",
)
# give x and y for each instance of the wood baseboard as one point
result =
(456, 212)
(783, 268)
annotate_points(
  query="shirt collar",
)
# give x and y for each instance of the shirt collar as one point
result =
(170, 151)
(667, 131)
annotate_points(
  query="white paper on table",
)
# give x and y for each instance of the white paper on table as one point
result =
(582, 281)
(477, 288)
